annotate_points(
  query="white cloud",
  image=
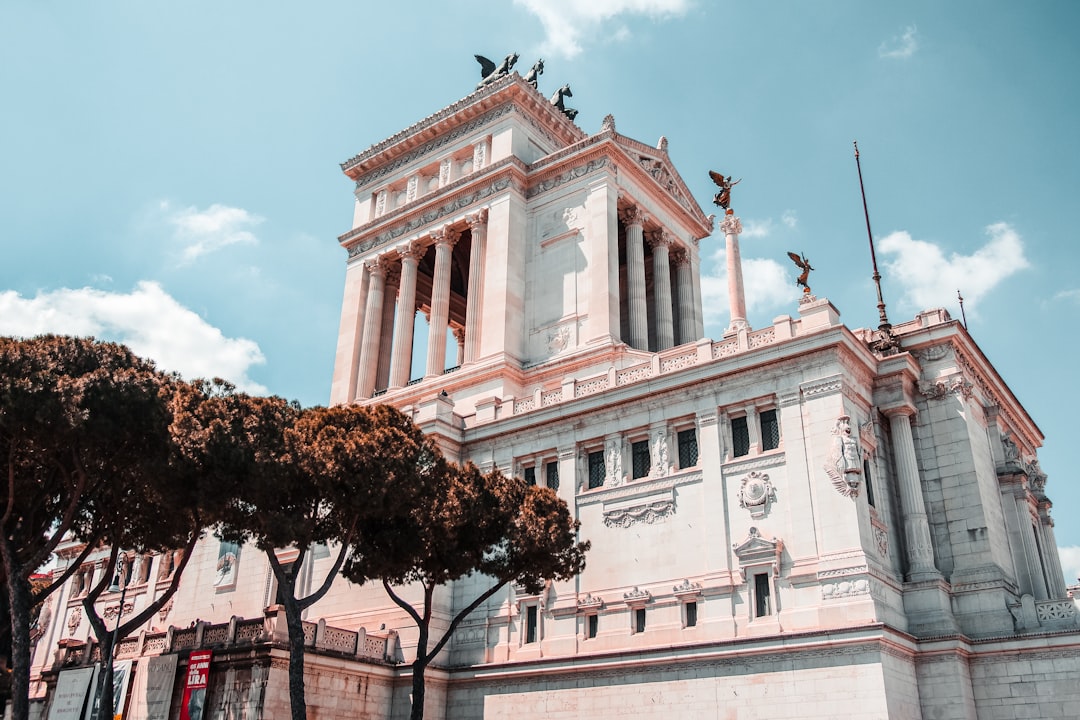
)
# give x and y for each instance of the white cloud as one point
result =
(199, 232)
(929, 279)
(1070, 563)
(567, 22)
(756, 229)
(148, 320)
(1071, 295)
(902, 46)
(790, 219)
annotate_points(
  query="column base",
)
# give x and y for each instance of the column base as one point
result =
(736, 325)
(929, 607)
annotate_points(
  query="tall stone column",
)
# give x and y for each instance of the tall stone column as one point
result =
(369, 345)
(1055, 577)
(732, 228)
(635, 278)
(660, 242)
(440, 301)
(459, 336)
(684, 292)
(474, 301)
(386, 337)
(916, 527)
(401, 362)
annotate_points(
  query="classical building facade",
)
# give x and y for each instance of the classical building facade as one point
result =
(802, 520)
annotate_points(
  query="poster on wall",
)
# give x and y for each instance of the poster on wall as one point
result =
(69, 698)
(198, 675)
(121, 680)
(228, 557)
(160, 678)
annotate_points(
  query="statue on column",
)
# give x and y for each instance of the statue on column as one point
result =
(804, 265)
(723, 198)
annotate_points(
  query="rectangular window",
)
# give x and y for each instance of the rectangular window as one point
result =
(740, 437)
(639, 620)
(762, 604)
(639, 457)
(869, 483)
(691, 614)
(592, 623)
(530, 476)
(770, 430)
(530, 624)
(552, 472)
(596, 469)
(688, 456)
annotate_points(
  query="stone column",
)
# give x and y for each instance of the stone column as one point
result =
(440, 301)
(1028, 530)
(916, 527)
(1056, 578)
(634, 220)
(459, 336)
(684, 292)
(732, 227)
(386, 338)
(478, 229)
(660, 242)
(369, 346)
(401, 362)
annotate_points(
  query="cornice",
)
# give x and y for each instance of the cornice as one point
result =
(509, 90)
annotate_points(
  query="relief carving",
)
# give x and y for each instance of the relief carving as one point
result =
(844, 463)
(756, 493)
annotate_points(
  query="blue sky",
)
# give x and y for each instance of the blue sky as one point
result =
(171, 171)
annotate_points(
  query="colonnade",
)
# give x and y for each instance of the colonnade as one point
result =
(390, 305)
(665, 253)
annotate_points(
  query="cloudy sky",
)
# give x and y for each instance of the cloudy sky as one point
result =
(171, 172)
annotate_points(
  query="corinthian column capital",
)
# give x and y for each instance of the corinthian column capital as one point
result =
(477, 219)
(633, 215)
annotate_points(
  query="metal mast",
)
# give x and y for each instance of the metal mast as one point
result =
(885, 342)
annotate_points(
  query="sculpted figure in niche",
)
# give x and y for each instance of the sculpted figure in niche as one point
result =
(844, 464)
(660, 453)
(613, 463)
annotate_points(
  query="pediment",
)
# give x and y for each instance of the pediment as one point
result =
(756, 549)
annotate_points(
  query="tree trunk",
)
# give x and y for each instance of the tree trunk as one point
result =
(418, 667)
(18, 589)
(104, 693)
(297, 699)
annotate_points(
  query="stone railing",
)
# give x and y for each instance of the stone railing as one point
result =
(669, 361)
(239, 632)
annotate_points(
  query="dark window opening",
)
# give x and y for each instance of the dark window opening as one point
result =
(552, 470)
(639, 620)
(688, 450)
(762, 606)
(596, 469)
(691, 614)
(530, 476)
(740, 437)
(530, 624)
(639, 457)
(592, 623)
(770, 430)
(869, 483)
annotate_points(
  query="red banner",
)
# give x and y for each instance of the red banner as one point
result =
(198, 673)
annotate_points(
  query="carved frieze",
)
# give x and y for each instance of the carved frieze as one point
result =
(686, 588)
(588, 602)
(845, 588)
(647, 513)
(955, 385)
(637, 596)
(565, 177)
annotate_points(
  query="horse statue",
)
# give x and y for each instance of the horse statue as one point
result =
(557, 101)
(535, 72)
(490, 72)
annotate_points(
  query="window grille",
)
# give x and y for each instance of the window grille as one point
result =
(740, 436)
(530, 476)
(688, 450)
(596, 469)
(639, 457)
(770, 430)
(552, 471)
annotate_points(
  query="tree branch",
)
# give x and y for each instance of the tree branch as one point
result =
(148, 612)
(407, 607)
(37, 597)
(461, 616)
(330, 576)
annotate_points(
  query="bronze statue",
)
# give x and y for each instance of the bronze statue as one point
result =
(557, 101)
(535, 72)
(723, 198)
(803, 265)
(490, 72)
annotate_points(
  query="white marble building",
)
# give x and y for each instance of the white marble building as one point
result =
(802, 520)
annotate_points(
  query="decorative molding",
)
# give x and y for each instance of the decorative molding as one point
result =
(637, 597)
(731, 225)
(764, 462)
(687, 589)
(588, 602)
(845, 589)
(572, 174)
(953, 385)
(641, 488)
(448, 208)
(758, 550)
(827, 386)
(648, 513)
(933, 353)
(756, 493)
(843, 572)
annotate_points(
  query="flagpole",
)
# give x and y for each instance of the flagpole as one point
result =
(885, 342)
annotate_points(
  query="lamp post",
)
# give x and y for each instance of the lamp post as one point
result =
(107, 673)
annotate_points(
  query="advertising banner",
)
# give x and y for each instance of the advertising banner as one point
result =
(121, 679)
(160, 678)
(198, 675)
(69, 697)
